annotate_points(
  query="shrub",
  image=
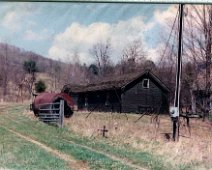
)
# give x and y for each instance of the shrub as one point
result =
(40, 86)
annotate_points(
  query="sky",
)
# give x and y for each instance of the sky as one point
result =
(61, 30)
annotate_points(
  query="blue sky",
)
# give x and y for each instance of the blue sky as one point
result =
(59, 30)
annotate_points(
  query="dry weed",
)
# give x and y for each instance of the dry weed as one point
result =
(148, 136)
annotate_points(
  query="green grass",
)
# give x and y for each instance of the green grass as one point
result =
(58, 139)
(138, 157)
(50, 136)
(16, 153)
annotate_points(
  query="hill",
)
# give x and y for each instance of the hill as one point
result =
(54, 73)
(12, 73)
(16, 57)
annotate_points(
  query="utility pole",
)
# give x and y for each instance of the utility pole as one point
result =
(175, 111)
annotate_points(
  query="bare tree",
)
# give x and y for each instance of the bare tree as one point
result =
(102, 51)
(4, 61)
(166, 65)
(73, 71)
(198, 40)
(197, 52)
(188, 79)
(56, 73)
(150, 65)
(133, 54)
(30, 69)
(135, 51)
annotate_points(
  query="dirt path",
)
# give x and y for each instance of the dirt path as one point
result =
(73, 163)
(78, 165)
(122, 160)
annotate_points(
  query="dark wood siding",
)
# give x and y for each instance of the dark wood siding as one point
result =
(131, 96)
(108, 101)
(81, 101)
(138, 99)
(74, 97)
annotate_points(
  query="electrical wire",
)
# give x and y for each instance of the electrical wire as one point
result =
(170, 35)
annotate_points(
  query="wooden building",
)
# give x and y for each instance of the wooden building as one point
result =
(134, 93)
(201, 101)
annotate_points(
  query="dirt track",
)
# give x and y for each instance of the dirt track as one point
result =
(78, 165)
(71, 161)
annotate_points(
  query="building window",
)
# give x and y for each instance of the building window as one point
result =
(145, 83)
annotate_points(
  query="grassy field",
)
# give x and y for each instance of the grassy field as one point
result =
(26, 143)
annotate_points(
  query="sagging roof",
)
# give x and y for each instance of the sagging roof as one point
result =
(45, 98)
(110, 83)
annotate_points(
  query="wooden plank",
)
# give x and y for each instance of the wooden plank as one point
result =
(50, 121)
(50, 104)
(49, 117)
(61, 120)
(50, 109)
(49, 114)
(53, 117)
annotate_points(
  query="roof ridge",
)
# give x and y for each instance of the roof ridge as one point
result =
(120, 82)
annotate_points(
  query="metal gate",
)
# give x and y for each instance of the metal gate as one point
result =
(52, 113)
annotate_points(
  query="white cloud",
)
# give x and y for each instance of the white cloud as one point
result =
(192, 21)
(81, 38)
(30, 35)
(15, 15)
(155, 53)
(161, 23)
(11, 20)
(164, 17)
(38, 36)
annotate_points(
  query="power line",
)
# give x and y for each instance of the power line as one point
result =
(167, 43)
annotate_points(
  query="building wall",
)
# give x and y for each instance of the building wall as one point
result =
(139, 99)
(135, 99)
(106, 101)
(201, 102)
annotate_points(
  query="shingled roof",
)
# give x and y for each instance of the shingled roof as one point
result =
(109, 83)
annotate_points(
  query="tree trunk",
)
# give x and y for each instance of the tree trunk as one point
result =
(5, 78)
(208, 38)
(193, 101)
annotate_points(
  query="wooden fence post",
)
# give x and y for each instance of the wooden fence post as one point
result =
(61, 120)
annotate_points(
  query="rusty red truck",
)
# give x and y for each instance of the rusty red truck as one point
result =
(46, 98)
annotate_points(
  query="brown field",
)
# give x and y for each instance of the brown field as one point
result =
(147, 136)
